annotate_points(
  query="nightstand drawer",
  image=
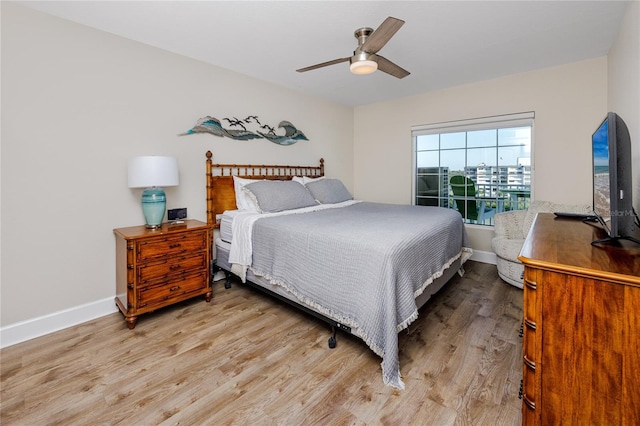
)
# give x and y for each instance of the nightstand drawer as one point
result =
(172, 245)
(171, 266)
(181, 288)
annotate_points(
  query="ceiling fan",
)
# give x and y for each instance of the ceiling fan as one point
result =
(365, 59)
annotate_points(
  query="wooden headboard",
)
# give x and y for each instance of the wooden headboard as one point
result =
(221, 195)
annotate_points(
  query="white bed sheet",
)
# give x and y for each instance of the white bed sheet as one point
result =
(226, 225)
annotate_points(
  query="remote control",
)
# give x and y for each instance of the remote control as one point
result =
(586, 216)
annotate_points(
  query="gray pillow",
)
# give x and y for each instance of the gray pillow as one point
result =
(276, 195)
(329, 191)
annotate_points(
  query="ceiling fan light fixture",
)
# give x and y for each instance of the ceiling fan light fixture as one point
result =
(363, 67)
(363, 63)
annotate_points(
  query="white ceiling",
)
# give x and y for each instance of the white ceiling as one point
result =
(442, 44)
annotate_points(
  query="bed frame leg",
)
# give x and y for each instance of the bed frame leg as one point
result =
(332, 339)
(227, 275)
(227, 280)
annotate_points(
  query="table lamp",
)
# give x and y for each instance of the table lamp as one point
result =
(152, 173)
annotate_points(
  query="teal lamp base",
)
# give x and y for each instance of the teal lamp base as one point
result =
(154, 203)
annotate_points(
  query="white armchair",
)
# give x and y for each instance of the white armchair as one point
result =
(511, 229)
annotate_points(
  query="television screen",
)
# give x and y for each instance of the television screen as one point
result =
(601, 178)
(612, 177)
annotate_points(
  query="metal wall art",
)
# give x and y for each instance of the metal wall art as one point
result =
(238, 130)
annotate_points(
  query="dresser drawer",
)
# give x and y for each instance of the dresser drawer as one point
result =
(170, 266)
(529, 349)
(529, 344)
(172, 245)
(181, 288)
(530, 296)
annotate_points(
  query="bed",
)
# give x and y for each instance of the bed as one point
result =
(364, 268)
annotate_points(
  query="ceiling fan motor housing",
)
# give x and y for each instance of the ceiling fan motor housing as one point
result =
(361, 34)
(363, 56)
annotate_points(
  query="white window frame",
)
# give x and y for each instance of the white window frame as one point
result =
(521, 119)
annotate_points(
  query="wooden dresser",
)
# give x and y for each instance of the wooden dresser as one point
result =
(581, 343)
(155, 268)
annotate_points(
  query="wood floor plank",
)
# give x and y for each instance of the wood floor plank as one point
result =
(246, 358)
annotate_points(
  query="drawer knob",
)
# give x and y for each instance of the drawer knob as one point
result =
(175, 288)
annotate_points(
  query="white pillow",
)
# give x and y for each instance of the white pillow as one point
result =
(309, 180)
(244, 200)
(305, 179)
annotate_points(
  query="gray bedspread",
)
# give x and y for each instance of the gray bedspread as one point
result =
(362, 265)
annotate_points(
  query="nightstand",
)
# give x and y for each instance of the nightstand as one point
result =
(156, 268)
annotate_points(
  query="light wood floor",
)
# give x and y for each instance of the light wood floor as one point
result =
(248, 359)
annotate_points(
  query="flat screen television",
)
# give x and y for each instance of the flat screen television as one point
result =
(612, 179)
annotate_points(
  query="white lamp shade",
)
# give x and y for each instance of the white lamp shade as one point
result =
(150, 171)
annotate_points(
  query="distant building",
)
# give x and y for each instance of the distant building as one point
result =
(491, 179)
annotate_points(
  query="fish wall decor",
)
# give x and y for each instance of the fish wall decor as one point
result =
(238, 130)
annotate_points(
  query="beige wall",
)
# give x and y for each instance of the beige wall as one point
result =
(76, 104)
(569, 101)
(624, 85)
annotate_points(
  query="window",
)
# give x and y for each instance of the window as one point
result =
(479, 166)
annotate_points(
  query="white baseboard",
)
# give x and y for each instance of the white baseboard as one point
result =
(484, 257)
(30, 329)
(36, 327)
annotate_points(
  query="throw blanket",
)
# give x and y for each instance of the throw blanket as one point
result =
(241, 251)
(361, 265)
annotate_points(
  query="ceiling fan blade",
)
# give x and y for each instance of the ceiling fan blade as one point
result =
(382, 35)
(389, 67)
(324, 64)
